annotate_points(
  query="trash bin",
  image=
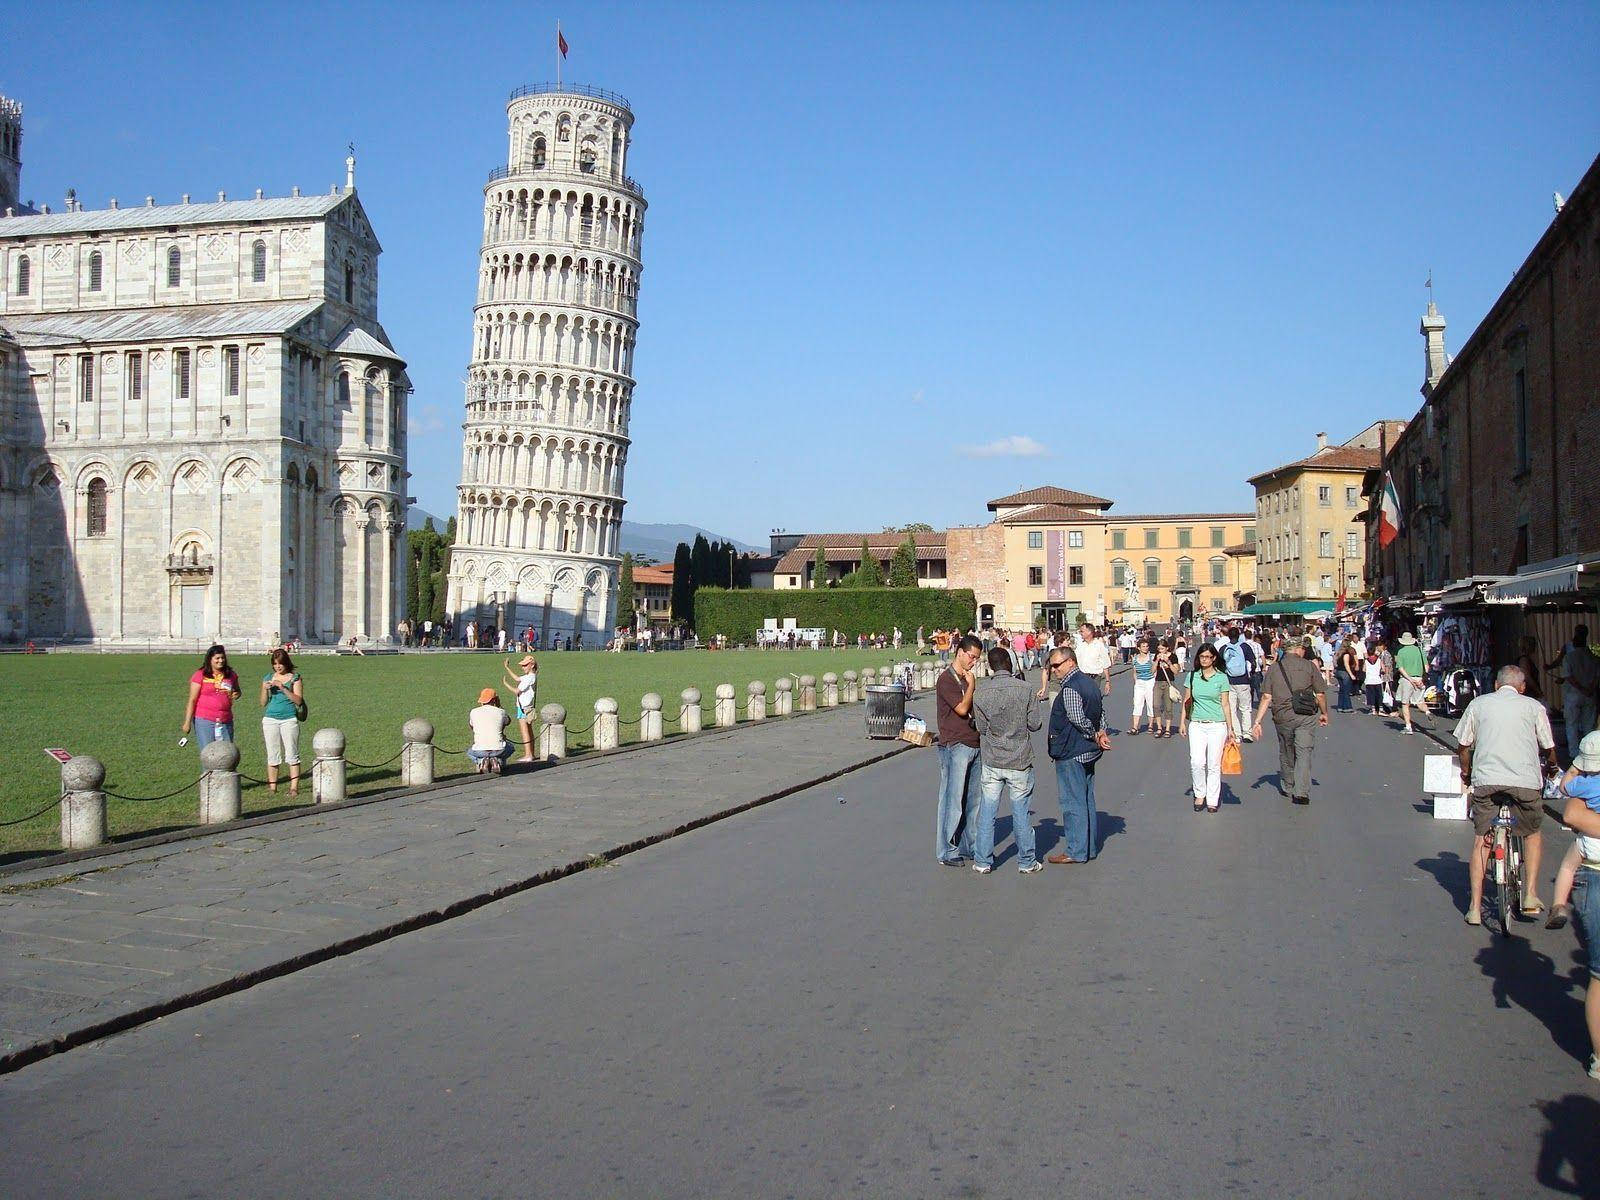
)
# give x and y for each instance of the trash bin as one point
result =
(886, 710)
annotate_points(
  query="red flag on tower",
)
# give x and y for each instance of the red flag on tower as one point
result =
(561, 43)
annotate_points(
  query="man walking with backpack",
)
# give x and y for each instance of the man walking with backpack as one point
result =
(1240, 662)
(1296, 693)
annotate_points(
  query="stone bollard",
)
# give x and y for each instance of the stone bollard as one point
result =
(756, 709)
(219, 785)
(783, 700)
(930, 674)
(689, 722)
(650, 717)
(327, 768)
(869, 677)
(851, 695)
(808, 693)
(886, 674)
(416, 757)
(830, 690)
(83, 803)
(726, 712)
(552, 732)
(605, 723)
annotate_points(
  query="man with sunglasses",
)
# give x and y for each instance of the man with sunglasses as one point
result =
(1078, 738)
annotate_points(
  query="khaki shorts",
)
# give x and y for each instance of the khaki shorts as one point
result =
(1527, 808)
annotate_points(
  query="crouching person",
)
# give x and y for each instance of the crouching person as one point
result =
(489, 749)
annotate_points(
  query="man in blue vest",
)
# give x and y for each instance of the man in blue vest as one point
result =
(1077, 740)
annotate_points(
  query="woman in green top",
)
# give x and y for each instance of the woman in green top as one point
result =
(1408, 686)
(281, 695)
(1208, 720)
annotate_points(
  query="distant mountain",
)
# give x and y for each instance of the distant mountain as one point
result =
(660, 542)
(415, 517)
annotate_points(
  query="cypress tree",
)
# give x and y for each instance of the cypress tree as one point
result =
(682, 584)
(871, 572)
(903, 567)
(625, 592)
(819, 569)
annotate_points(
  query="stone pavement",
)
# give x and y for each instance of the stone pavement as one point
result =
(90, 949)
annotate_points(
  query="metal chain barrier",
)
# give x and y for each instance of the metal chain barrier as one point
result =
(152, 799)
(32, 816)
(374, 766)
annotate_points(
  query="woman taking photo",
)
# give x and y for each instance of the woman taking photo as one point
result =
(212, 690)
(281, 695)
(1166, 680)
(1208, 720)
(525, 683)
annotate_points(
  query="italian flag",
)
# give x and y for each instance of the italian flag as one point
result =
(1388, 512)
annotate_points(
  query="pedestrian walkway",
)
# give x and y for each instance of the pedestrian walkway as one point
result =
(88, 950)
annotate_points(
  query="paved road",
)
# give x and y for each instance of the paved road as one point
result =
(797, 1002)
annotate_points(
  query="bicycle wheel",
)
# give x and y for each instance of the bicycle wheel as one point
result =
(1502, 878)
(1515, 869)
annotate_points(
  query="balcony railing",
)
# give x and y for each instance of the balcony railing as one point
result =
(569, 89)
(617, 181)
(183, 564)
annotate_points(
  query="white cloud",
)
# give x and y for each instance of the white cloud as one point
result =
(916, 396)
(1015, 446)
(429, 418)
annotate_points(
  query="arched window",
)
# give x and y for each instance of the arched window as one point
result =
(536, 152)
(586, 159)
(24, 275)
(96, 271)
(174, 266)
(349, 284)
(258, 262)
(97, 508)
(344, 389)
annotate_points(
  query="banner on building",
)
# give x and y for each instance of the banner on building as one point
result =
(1055, 544)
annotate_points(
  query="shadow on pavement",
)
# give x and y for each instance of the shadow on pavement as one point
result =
(1529, 979)
(1450, 869)
(1569, 1154)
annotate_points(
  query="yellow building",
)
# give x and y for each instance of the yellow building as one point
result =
(1065, 554)
(1311, 544)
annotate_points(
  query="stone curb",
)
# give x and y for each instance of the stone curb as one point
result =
(189, 833)
(25, 1056)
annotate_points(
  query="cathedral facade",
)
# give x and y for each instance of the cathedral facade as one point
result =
(202, 424)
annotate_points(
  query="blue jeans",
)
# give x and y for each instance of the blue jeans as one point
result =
(958, 796)
(1075, 789)
(478, 756)
(206, 732)
(1344, 692)
(1020, 782)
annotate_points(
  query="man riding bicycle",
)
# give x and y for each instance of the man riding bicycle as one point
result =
(1502, 737)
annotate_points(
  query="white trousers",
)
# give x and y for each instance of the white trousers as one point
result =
(1144, 699)
(1206, 739)
(1239, 695)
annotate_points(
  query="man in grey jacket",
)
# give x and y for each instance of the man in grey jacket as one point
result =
(1006, 711)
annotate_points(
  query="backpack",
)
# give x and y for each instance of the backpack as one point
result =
(1238, 658)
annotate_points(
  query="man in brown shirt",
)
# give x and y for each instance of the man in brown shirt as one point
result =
(1295, 691)
(958, 755)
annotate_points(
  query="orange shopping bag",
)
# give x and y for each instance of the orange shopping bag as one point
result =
(1232, 759)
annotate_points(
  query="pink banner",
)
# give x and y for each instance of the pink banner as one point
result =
(1055, 571)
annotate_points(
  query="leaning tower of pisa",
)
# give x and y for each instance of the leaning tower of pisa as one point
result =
(539, 509)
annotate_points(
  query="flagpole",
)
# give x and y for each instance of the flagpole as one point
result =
(558, 55)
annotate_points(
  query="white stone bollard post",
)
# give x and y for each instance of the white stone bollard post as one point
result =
(219, 785)
(552, 732)
(930, 674)
(416, 757)
(830, 690)
(756, 706)
(808, 693)
(886, 674)
(726, 712)
(869, 677)
(328, 767)
(650, 717)
(605, 723)
(851, 695)
(690, 721)
(783, 700)
(83, 802)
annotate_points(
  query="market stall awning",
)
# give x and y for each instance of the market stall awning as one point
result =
(1288, 608)
(1551, 583)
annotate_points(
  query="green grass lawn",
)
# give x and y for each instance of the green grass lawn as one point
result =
(126, 710)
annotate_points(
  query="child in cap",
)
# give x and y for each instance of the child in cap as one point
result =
(525, 683)
(1581, 782)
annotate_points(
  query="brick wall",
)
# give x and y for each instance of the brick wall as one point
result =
(975, 557)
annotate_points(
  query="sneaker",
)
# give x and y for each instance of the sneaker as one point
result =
(1037, 866)
(1594, 1066)
(981, 868)
(951, 862)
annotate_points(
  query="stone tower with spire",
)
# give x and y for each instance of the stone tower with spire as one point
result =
(1433, 337)
(10, 154)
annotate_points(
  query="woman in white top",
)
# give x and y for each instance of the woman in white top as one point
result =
(526, 686)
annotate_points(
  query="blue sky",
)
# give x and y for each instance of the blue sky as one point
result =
(899, 258)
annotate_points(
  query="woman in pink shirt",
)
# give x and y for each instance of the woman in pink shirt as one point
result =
(212, 691)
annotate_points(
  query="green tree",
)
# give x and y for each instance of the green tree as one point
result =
(871, 572)
(819, 569)
(625, 592)
(903, 567)
(682, 584)
(700, 571)
(450, 532)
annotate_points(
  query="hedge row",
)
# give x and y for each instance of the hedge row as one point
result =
(851, 611)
